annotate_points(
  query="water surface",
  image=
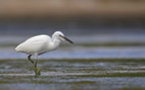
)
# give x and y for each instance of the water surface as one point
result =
(64, 74)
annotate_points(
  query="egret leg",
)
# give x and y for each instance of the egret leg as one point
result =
(29, 58)
(36, 69)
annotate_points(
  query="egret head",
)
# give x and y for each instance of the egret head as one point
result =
(60, 35)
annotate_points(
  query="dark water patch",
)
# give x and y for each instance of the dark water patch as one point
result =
(111, 44)
(96, 60)
(107, 44)
(141, 74)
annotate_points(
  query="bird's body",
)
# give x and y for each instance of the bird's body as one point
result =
(40, 44)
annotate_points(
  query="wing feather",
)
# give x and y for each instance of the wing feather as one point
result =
(34, 44)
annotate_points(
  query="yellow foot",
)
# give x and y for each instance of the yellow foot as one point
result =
(37, 72)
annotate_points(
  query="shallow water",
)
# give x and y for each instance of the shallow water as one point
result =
(82, 52)
(94, 62)
(64, 74)
(87, 46)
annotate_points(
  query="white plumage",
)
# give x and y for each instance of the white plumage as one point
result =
(37, 44)
(40, 44)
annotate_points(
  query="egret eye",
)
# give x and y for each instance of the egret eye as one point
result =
(61, 35)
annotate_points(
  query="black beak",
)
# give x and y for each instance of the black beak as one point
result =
(67, 39)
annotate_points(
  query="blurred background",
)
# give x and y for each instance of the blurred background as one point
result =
(73, 17)
(90, 23)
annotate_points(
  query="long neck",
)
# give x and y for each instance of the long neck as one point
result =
(55, 42)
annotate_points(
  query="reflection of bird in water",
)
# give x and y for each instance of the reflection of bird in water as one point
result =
(41, 44)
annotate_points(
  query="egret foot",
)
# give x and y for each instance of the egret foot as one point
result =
(37, 72)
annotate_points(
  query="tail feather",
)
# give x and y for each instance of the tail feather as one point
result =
(18, 48)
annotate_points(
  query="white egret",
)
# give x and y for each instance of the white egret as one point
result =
(40, 44)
